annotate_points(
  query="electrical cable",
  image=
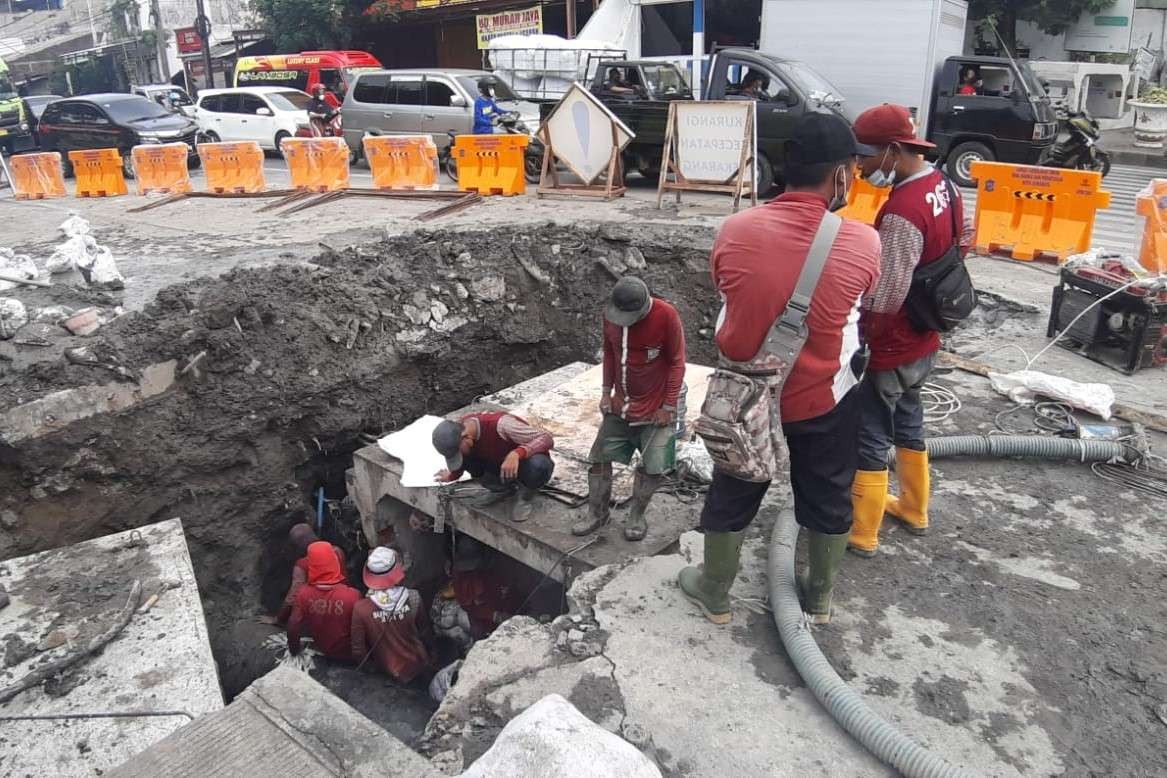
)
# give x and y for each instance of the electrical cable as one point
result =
(1146, 480)
(1047, 418)
(939, 402)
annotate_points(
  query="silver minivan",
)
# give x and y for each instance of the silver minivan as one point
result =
(420, 102)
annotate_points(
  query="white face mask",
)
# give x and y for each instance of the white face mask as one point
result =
(840, 198)
(879, 178)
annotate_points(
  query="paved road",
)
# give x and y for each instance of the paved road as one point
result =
(1117, 227)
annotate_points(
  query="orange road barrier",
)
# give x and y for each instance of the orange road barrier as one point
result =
(37, 176)
(1151, 203)
(233, 168)
(1028, 212)
(161, 168)
(491, 164)
(98, 172)
(402, 161)
(864, 200)
(317, 164)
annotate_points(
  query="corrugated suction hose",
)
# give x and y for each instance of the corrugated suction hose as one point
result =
(841, 701)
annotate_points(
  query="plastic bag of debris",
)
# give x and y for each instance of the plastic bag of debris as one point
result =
(444, 679)
(13, 316)
(1026, 386)
(1095, 257)
(71, 253)
(74, 226)
(100, 271)
(694, 462)
(16, 266)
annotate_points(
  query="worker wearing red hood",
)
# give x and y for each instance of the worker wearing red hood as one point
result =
(324, 607)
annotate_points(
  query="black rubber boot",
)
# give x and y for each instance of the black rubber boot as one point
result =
(599, 500)
(643, 487)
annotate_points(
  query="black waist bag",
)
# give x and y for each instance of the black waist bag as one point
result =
(942, 294)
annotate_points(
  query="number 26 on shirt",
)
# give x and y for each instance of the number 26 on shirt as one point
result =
(938, 198)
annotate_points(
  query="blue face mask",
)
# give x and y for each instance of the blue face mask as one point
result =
(879, 178)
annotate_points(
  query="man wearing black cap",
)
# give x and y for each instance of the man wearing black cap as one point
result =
(500, 449)
(644, 366)
(756, 262)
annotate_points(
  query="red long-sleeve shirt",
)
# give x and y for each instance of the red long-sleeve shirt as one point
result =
(645, 364)
(299, 578)
(327, 614)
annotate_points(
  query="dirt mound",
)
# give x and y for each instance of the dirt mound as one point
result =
(292, 363)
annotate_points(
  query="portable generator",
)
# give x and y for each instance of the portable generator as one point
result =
(1126, 332)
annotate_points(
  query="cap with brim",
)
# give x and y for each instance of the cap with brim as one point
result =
(821, 137)
(383, 569)
(447, 439)
(886, 124)
(629, 303)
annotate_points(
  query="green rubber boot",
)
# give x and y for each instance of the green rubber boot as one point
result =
(708, 586)
(824, 553)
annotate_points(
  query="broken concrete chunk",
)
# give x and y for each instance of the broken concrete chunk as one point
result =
(415, 314)
(51, 314)
(13, 316)
(54, 639)
(491, 288)
(438, 310)
(634, 259)
(553, 738)
(460, 291)
(420, 299)
(16, 266)
(9, 520)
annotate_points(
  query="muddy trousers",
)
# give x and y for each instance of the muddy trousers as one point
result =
(891, 411)
(823, 458)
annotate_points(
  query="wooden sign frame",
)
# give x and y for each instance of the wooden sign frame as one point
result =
(734, 185)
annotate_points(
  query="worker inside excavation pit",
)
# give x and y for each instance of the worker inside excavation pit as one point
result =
(389, 627)
(300, 536)
(503, 452)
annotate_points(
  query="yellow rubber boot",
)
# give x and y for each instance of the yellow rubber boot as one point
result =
(911, 507)
(868, 492)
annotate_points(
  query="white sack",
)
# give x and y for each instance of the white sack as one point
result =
(1025, 386)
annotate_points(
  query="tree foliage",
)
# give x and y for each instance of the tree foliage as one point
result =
(297, 25)
(1050, 16)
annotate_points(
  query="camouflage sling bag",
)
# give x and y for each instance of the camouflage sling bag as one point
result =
(740, 420)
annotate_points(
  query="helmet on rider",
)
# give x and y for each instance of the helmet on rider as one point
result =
(318, 89)
(485, 86)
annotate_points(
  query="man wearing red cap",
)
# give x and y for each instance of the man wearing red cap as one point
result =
(921, 221)
(324, 607)
(388, 623)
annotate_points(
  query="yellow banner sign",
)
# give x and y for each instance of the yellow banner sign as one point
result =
(525, 21)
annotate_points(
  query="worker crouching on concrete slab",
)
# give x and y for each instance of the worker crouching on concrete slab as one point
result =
(324, 606)
(791, 276)
(389, 623)
(644, 368)
(501, 450)
(920, 223)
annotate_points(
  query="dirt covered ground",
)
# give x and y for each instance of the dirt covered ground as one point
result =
(297, 361)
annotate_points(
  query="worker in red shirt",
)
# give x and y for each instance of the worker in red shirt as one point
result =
(644, 367)
(389, 623)
(921, 220)
(757, 258)
(501, 450)
(324, 607)
(300, 536)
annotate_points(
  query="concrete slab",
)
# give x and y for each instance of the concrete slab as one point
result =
(563, 400)
(161, 661)
(283, 724)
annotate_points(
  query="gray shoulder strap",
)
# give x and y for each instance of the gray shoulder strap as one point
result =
(794, 317)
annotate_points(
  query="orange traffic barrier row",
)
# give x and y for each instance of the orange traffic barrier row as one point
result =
(233, 168)
(491, 164)
(864, 200)
(98, 172)
(402, 161)
(317, 164)
(161, 168)
(1028, 212)
(37, 176)
(1151, 204)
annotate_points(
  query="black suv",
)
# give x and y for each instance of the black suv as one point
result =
(113, 121)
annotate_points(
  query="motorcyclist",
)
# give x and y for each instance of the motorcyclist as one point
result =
(322, 111)
(486, 111)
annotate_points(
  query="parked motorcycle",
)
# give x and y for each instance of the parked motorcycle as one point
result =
(505, 124)
(1078, 150)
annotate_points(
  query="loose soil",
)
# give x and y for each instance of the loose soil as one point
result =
(299, 361)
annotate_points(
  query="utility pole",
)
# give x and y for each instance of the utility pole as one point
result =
(569, 8)
(92, 26)
(160, 42)
(203, 27)
(698, 45)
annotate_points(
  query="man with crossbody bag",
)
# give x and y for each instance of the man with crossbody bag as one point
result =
(791, 276)
(924, 289)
